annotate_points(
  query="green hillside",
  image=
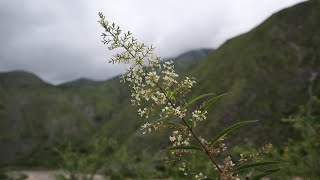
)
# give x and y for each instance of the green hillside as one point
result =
(267, 74)
(36, 116)
(187, 60)
(19, 79)
(265, 71)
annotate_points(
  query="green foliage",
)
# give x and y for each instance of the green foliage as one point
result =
(196, 99)
(265, 73)
(3, 176)
(207, 104)
(302, 153)
(183, 148)
(84, 163)
(254, 165)
(266, 173)
(14, 175)
(228, 130)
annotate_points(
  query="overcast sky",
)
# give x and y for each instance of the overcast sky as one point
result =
(59, 40)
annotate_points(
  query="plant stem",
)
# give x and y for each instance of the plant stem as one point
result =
(185, 122)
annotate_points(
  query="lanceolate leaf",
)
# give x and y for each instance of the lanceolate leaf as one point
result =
(177, 125)
(162, 119)
(165, 120)
(266, 173)
(255, 164)
(196, 148)
(211, 101)
(229, 129)
(196, 99)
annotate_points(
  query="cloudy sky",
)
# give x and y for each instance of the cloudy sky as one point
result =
(59, 40)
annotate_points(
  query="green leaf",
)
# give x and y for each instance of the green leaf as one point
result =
(161, 119)
(177, 125)
(255, 164)
(197, 98)
(211, 101)
(266, 173)
(170, 94)
(196, 148)
(229, 129)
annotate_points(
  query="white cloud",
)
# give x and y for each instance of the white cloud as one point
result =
(60, 40)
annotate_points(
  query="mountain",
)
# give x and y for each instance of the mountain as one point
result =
(81, 82)
(189, 59)
(19, 79)
(36, 116)
(270, 73)
(266, 73)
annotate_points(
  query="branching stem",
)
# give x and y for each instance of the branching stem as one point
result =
(172, 104)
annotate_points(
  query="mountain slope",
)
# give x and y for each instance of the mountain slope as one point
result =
(36, 116)
(266, 72)
(189, 59)
(19, 79)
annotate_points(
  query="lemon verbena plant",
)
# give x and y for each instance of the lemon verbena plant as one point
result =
(156, 90)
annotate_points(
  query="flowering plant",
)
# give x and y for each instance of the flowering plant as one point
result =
(156, 90)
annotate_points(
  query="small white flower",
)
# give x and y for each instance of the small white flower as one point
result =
(172, 138)
(200, 176)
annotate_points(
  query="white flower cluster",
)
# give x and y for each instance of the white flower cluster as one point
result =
(219, 147)
(183, 168)
(152, 78)
(153, 62)
(200, 176)
(178, 139)
(228, 162)
(186, 85)
(169, 111)
(153, 81)
(146, 127)
(203, 140)
(149, 86)
(227, 172)
(170, 76)
(198, 115)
